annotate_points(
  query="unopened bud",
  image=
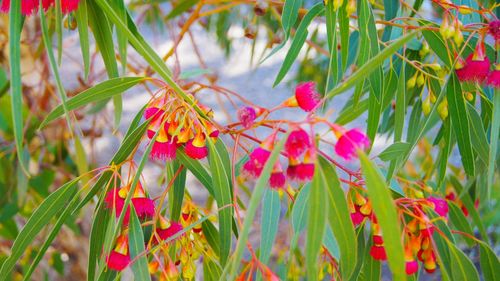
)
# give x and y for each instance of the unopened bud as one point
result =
(411, 82)
(458, 37)
(421, 79)
(435, 66)
(425, 49)
(443, 109)
(337, 4)
(426, 106)
(351, 7)
(469, 96)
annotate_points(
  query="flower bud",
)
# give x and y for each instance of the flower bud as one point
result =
(443, 109)
(410, 84)
(426, 106)
(425, 49)
(351, 7)
(458, 38)
(421, 80)
(469, 96)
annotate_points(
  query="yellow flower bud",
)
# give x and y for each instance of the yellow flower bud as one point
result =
(443, 109)
(464, 9)
(469, 96)
(351, 7)
(435, 66)
(411, 82)
(425, 49)
(337, 4)
(458, 38)
(421, 80)
(426, 106)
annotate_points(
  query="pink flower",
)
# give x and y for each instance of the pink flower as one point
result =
(439, 205)
(477, 66)
(119, 258)
(68, 6)
(298, 141)
(378, 253)
(306, 96)
(278, 178)
(357, 218)
(304, 172)
(247, 116)
(411, 267)
(494, 78)
(28, 7)
(350, 142)
(494, 29)
(167, 229)
(144, 206)
(196, 148)
(259, 157)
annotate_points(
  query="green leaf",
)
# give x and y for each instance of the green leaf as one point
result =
(288, 19)
(460, 123)
(394, 151)
(271, 207)
(99, 92)
(490, 265)
(385, 210)
(96, 239)
(299, 210)
(370, 66)
(82, 21)
(495, 132)
(176, 195)
(260, 185)
(180, 8)
(197, 169)
(459, 220)
(334, 73)
(316, 223)
(339, 219)
(136, 246)
(121, 38)
(212, 235)
(298, 40)
(463, 268)
(16, 94)
(372, 268)
(38, 220)
(222, 190)
(437, 45)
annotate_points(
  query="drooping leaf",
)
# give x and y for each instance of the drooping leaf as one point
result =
(136, 247)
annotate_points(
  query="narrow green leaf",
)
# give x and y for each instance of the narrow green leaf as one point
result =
(180, 8)
(370, 66)
(490, 265)
(463, 268)
(299, 210)
(271, 208)
(136, 246)
(495, 132)
(38, 220)
(82, 21)
(197, 169)
(394, 151)
(460, 122)
(212, 235)
(316, 223)
(261, 184)
(222, 190)
(339, 219)
(177, 192)
(298, 40)
(99, 92)
(16, 94)
(385, 210)
(460, 222)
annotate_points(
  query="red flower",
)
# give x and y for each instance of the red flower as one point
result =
(247, 116)
(196, 148)
(378, 240)
(439, 205)
(298, 141)
(278, 178)
(259, 157)
(351, 141)
(494, 29)
(378, 253)
(164, 147)
(306, 95)
(494, 78)
(167, 229)
(357, 218)
(411, 267)
(119, 258)
(68, 6)
(28, 7)
(477, 66)
(144, 206)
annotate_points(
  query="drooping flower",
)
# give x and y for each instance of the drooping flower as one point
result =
(259, 156)
(196, 148)
(494, 78)
(68, 6)
(305, 97)
(298, 141)
(247, 116)
(167, 229)
(439, 205)
(494, 29)
(378, 253)
(164, 147)
(357, 218)
(277, 179)
(144, 206)
(349, 142)
(476, 67)
(119, 258)
(28, 7)
(302, 171)
(411, 267)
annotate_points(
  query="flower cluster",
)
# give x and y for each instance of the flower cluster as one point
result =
(418, 231)
(477, 67)
(29, 7)
(175, 125)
